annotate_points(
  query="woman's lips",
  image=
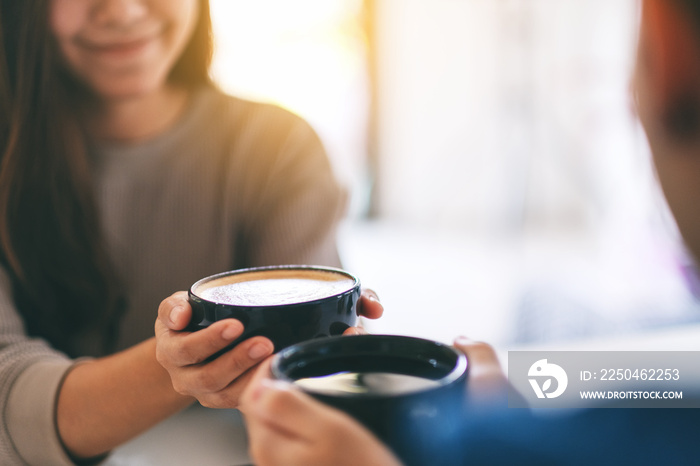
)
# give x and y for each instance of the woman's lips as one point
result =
(118, 49)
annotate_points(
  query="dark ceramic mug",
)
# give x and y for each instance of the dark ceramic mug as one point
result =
(287, 304)
(410, 392)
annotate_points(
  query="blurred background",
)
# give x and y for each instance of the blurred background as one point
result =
(501, 186)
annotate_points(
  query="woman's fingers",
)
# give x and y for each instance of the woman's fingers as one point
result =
(369, 305)
(187, 348)
(175, 312)
(187, 356)
(217, 374)
(359, 330)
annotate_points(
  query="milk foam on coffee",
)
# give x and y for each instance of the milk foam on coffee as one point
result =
(378, 383)
(275, 287)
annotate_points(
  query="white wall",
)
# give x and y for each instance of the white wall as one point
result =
(516, 197)
(515, 192)
(498, 115)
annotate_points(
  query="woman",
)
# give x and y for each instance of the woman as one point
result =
(126, 176)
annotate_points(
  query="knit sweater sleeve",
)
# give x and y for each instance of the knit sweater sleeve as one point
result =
(31, 373)
(294, 200)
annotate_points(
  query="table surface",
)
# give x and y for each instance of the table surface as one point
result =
(199, 435)
(194, 436)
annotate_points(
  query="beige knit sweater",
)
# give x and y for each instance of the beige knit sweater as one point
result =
(232, 184)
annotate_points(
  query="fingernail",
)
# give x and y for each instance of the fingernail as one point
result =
(230, 332)
(258, 351)
(462, 340)
(175, 315)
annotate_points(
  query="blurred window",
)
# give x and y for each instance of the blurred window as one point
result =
(308, 56)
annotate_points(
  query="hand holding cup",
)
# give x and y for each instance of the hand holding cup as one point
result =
(197, 361)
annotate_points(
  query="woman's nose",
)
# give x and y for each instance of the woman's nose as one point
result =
(119, 12)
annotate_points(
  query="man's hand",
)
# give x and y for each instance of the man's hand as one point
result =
(487, 385)
(289, 428)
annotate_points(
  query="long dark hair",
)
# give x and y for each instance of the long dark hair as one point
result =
(64, 283)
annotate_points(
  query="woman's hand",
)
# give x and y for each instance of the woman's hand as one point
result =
(288, 428)
(368, 306)
(217, 383)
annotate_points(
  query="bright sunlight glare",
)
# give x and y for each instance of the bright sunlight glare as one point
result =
(308, 56)
(296, 54)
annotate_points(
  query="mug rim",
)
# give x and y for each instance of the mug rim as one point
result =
(319, 268)
(457, 373)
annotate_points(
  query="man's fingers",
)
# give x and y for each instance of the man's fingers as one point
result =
(487, 385)
(305, 431)
(290, 411)
(483, 361)
(288, 450)
(477, 350)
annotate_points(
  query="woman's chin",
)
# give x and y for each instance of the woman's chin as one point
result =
(118, 90)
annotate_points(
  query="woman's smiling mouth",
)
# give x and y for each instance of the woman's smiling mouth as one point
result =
(122, 49)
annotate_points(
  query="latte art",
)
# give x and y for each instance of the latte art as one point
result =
(275, 288)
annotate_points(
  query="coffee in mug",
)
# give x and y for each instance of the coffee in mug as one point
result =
(288, 304)
(275, 287)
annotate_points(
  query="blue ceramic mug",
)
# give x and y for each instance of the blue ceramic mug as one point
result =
(410, 392)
